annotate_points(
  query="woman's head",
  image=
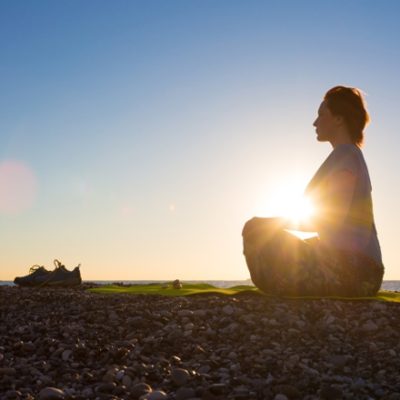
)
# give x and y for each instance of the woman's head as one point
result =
(342, 107)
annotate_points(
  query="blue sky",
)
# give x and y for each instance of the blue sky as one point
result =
(152, 130)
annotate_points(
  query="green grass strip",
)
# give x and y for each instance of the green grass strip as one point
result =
(204, 288)
(160, 289)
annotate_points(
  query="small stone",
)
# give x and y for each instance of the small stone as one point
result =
(369, 326)
(338, 361)
(241, 392)
(331, 393)
(119, 375)
(13, 394)
(200, 313)
(393, 396)
(106, 387)
(280, 396)
(127, 381)
(156, 395)
(185, 393)
(288, 390)
(108, 377)
(228, 310)
(140, 389)
(189, 326)
(185, 313)
(51, 393)
(66, 355)
(232, 355)
(179, 376)
(87, 393)
(7, 371)
(204, 369)
(217, 388)
(358, 384)
(28, 347)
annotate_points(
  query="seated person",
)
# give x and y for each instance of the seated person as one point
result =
(345, 259)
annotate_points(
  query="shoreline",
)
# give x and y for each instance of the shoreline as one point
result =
(92, 346)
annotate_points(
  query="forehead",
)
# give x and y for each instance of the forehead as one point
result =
(323, 108)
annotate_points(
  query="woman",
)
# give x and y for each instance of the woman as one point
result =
(345, 259)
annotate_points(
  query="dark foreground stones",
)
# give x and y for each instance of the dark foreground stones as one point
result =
(71, 344)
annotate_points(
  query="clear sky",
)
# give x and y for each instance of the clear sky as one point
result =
(137, 137)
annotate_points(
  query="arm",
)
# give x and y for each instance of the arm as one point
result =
(339, 196)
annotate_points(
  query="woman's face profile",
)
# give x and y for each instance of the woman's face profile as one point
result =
(325, 124)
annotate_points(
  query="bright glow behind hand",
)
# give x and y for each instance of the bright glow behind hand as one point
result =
(288, 202)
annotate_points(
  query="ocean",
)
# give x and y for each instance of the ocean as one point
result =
(386, 285)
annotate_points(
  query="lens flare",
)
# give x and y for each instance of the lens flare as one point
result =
(18, 186)
(288, 202)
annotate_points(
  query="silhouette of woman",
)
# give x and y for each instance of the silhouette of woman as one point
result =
(345, 259)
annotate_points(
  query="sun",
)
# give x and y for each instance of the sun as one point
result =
(287, 201)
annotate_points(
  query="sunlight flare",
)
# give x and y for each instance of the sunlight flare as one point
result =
(287, 201)
(18, 187)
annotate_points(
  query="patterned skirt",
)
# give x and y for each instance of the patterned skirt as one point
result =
(282, 264)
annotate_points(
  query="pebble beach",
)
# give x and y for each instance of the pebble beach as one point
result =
(73, 344)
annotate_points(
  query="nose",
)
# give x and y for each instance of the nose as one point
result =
(315, 123)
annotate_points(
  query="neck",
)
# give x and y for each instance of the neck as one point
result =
(341, 137)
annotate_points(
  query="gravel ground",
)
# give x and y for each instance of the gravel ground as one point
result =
(71, 344)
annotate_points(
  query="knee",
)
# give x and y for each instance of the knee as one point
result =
(263, 225)
(249, 226)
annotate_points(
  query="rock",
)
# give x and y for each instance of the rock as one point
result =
(176, 284)
(179, 376)
(241, 348)
(51, 393)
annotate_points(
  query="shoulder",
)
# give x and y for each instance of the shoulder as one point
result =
(347, 157)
